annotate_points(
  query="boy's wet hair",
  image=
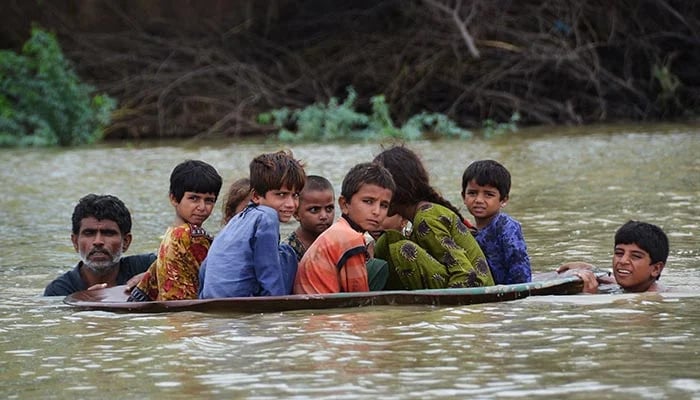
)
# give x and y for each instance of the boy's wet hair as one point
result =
(194, 176)
(411, 177)
(101, 207)
(238, 192)
(648, 237)
(487, 172)
(316, 183)
(367, 173)
(271, 171)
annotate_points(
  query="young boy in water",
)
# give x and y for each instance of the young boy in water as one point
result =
(485, 191)
(639, 257)
(337, 260)
(316, 213)
(194, 187)
(246, 257)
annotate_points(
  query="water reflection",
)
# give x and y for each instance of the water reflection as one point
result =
(570, 191)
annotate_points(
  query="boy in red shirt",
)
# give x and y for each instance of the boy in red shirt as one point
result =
(337, 260)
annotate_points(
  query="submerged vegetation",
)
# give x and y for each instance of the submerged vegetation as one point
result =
(42, 100)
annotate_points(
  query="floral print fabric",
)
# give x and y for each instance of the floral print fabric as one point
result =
(441, 252)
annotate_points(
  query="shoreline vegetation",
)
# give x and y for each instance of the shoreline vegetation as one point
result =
(365, 70)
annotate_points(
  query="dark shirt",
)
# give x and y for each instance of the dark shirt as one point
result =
(71, 282)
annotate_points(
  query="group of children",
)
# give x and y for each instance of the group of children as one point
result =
(395, 231)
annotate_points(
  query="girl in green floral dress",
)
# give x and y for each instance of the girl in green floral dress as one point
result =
(440, 251)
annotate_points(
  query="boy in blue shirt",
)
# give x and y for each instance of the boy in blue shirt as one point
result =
(485, 191)
(246, 257)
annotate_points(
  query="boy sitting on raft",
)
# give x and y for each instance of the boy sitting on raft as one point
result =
(246, 258)
(337, 260)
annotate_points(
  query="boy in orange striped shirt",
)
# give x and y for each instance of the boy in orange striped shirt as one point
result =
(337, 260)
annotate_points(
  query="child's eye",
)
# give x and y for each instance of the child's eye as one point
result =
(314, 210)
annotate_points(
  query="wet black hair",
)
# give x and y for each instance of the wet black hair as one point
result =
(364, 174)
(271, 171)
(648, 237)
(101, 207)
(487, 172)
(238, 192)
(317, 183)
(411, 177)
(194, 176)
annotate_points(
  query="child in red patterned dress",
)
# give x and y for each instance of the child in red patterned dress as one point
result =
(194, 187)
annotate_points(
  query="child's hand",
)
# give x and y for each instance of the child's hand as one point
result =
(133, 281)
(369, 240)
(370, 249)
(590, 281)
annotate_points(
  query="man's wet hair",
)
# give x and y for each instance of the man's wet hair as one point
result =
(101, 207)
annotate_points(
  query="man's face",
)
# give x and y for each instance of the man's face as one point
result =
(100, 244)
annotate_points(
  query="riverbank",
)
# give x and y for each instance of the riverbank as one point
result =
(208, 70)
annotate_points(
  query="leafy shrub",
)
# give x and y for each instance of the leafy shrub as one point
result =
(335, 121)
(492, 128)
(42, 100)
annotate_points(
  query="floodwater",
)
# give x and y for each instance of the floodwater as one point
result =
(571, 189)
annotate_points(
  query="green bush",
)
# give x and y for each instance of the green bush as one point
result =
(42, 100)
(340, 121)
(492, 128)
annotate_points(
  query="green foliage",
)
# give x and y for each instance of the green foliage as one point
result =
(492, 128)
(42, 100)
(340, 121)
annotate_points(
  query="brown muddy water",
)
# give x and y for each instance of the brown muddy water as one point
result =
(571, 189)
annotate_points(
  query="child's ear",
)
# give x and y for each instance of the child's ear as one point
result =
(656, 269)
(173, 200)
(343, 205)
(504, 201)
(255, 197)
